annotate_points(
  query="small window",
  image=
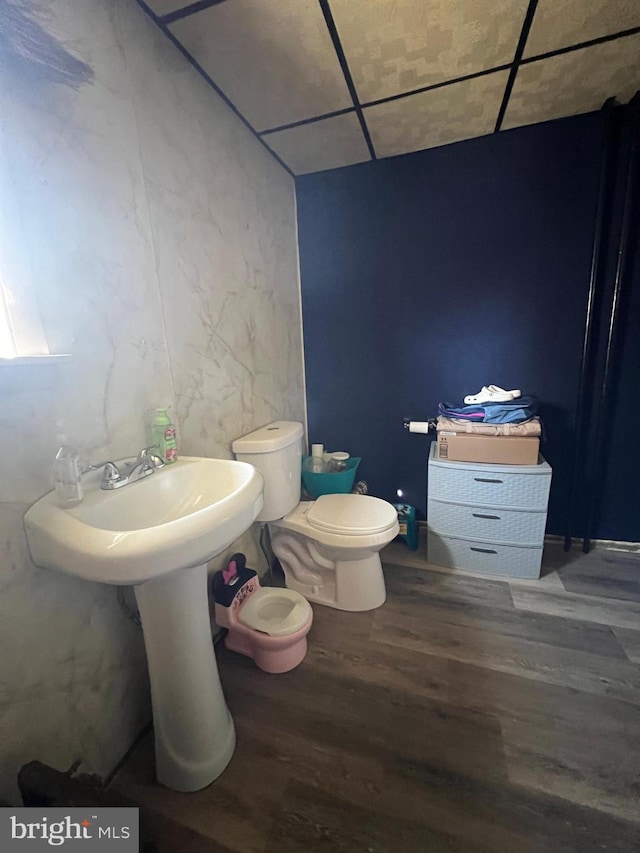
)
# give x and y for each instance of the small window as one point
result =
(22, 337)
(7, 339)
(30, 56)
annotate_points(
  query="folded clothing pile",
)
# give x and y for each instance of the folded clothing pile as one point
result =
(531, 427)
(494, 426)
(493, 405)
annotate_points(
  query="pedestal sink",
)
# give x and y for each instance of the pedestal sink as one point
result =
(158, 534)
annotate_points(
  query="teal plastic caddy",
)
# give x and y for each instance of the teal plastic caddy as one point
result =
(330, 483)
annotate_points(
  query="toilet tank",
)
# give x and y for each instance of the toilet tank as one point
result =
(276, 451)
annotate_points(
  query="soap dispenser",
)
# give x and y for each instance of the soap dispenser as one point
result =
(67, 473)
(163, 434)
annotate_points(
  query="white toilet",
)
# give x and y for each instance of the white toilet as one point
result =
(328, 548)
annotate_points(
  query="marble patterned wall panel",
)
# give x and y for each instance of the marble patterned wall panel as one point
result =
(223, 219)
(74, 202)
(136, 256)
(75, 219)
(73, 677)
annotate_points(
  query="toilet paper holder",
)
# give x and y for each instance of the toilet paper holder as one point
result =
(419, 426)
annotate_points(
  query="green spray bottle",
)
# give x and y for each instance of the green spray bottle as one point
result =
(163, 433)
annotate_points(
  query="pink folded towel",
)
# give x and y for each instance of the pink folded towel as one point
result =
(531, 427)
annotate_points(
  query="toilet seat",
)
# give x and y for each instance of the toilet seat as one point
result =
(339, 534)
(355, 515)
(276, 612)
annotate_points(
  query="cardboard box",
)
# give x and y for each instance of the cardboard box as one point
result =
(492, 449)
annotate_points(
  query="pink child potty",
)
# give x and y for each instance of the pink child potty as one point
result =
(267, 624)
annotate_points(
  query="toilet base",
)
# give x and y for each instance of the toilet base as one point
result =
(273, 660)
(358, 586)
(344, 578)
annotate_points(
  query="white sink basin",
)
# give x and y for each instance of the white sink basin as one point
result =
(158, 534)
(182, 515)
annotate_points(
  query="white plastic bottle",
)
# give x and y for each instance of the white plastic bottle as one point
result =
(66, 474)
(317, 461)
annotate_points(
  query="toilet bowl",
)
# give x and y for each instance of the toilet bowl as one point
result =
(267, 624)
(328, 548)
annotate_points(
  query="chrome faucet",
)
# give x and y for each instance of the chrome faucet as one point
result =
(145, 463)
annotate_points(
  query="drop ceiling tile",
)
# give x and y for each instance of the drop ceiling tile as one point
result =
(437, 117)
(274, 59)
(325, 144)
(395, 46)
(163, 7)
(560, 24)
(575, 82)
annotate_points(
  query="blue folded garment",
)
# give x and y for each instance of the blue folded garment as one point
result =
(512, 412)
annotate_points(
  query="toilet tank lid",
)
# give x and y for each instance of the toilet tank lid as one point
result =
(268, 438)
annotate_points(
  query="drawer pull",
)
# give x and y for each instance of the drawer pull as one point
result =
(486, 480)
(483, 550)
(482, 515)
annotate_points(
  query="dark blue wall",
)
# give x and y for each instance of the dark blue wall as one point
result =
(427, 276)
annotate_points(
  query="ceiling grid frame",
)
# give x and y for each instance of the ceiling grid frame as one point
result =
(519, 60)
(191, 9)
(190, 59)
(342, 59)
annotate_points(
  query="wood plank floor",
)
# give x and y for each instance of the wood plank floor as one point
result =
(466, 714)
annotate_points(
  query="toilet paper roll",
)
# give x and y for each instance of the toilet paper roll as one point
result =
(419, 426)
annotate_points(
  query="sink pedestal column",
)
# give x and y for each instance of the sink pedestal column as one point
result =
(194, 733)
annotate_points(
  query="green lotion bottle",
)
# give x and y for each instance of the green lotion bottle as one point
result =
(163, 434)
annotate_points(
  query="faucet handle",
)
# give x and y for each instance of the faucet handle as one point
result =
(94, 466)
(110, 475)
(155, 460)
(145, 450)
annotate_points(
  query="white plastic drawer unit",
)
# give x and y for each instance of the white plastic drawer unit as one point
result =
(486, 558)
(508, 486)
(487, 518)
(508, 526)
